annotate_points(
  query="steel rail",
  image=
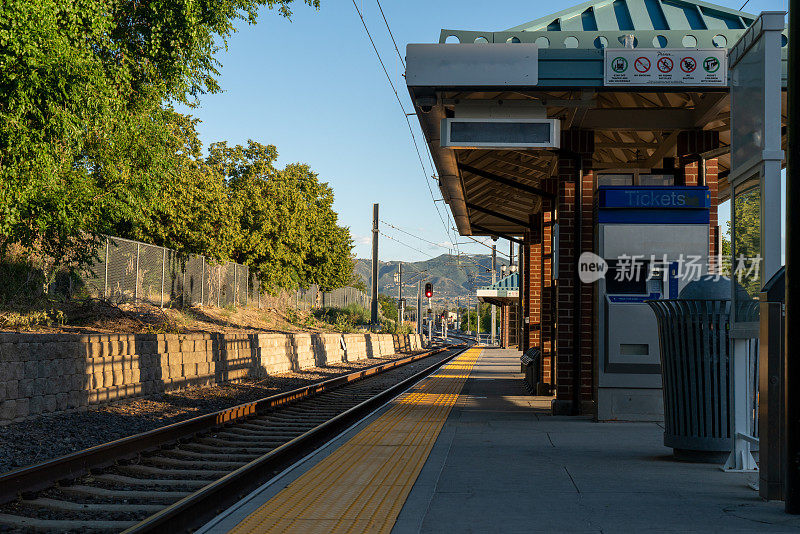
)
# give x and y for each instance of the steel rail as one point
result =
(200, 507)
(43, 475)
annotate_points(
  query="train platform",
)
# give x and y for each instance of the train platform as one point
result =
(468, 450)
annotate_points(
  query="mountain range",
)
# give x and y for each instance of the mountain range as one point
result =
(452, 276)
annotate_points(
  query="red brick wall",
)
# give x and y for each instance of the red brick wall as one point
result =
(568, 171)
(690, 145)
(504, 326)
(548, 285)
(525, 287)
(534, 282)
(712, 177)
(552, 302)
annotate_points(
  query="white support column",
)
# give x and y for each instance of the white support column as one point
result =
(741, 395)
(755, 63)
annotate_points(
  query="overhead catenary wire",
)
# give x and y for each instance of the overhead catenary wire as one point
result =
(414, 139)
(459, 257)
(387, 236)
(415, 236)
(472, 277)
(399, 55)
(403, 109)
(499, 252)
(453, 239)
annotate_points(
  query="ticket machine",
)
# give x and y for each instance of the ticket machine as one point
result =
(651, 238)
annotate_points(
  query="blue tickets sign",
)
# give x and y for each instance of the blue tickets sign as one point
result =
(623, 197)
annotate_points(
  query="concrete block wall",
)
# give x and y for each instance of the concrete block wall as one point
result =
(356, 347)
(276, 353)
(329, 348)
(386, 342)
(373, 348)
(304, 355)
(54, 373)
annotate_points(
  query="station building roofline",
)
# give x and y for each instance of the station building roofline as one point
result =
(504, 291)
(610, 15)
(635, 128)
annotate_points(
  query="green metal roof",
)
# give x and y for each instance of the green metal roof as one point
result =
(509, 283)
(605, 24)
(631, 15)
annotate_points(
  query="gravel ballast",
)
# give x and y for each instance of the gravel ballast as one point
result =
(50, 436)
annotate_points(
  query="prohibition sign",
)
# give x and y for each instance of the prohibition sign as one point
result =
(688, 64)
(711, 64)
(642, 64)
(665, 64)
(620, 64)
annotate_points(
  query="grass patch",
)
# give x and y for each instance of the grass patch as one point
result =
(346, 320)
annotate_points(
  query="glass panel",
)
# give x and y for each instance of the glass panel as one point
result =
(747, 250)
(627, 277)
(747, 92)
(615, 179)
(656, 179)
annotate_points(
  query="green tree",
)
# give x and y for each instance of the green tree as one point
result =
(285, 225)
(388, 306)
(189, 209)
(328, 262)
(83, 83)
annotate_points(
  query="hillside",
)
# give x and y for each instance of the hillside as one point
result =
(452, 276)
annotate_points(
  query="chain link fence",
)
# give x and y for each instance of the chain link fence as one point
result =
(131, 271)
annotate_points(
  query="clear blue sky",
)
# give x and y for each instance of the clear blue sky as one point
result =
(314, 88)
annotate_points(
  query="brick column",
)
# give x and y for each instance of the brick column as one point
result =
(534, 282)
(691, 144)
(504, 326)
(548, 298)
(525, 289)
(576, 152)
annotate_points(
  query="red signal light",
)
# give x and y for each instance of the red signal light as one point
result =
(428, 290)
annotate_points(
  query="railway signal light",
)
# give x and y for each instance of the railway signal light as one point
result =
(428, 290)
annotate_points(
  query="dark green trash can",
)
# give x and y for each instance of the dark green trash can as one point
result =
(693, 332)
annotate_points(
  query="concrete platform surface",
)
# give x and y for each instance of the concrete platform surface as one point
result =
(501, 463)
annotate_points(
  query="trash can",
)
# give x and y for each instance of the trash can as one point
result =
(693, 334)
(530, 365)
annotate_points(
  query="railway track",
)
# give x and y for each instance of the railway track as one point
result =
(176, 477)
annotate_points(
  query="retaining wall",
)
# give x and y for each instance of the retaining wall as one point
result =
(52, 373)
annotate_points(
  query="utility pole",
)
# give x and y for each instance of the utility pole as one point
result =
(469, 323)
(429, 315)
(494, 280)
(457, 326)
(478, 321)
(419, 306)
(792, 362)
(374, 305)
(400, 292)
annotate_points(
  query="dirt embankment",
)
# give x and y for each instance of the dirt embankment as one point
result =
(97, 316)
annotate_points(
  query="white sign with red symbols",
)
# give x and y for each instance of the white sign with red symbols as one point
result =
(666, 66)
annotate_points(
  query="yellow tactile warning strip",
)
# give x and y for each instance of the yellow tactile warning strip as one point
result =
(362, 486)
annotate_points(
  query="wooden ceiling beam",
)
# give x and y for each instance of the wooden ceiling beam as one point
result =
(496, 214)
(506, 181)
(518, 163)
(496, 233)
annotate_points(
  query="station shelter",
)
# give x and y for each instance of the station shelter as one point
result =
(505, 295)
(605, 129)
